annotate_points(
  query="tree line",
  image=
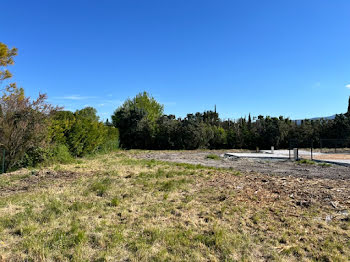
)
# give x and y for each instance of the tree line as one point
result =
(142, 124)
(34, 131)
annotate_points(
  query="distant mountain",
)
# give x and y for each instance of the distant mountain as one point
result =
(327, 117)
(298, 121)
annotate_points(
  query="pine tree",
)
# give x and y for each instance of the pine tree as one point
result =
(249, 122)
(348, 113)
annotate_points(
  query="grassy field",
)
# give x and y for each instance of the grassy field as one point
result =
(118, 208)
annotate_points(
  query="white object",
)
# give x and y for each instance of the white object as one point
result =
(272, 149)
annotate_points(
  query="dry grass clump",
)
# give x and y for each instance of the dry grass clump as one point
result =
(117, 208)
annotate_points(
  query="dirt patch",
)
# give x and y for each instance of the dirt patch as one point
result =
(282, 168)
(266, 190)
(333, 156)
(18, 182)
(268, 181)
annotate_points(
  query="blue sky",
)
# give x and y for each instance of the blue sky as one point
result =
(268, 57)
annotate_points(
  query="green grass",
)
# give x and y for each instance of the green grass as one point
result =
(213, 156)
(100, 186)
(306, 161)
(325, 164)
(117, 208)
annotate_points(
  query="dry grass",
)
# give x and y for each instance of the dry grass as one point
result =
(117, 208)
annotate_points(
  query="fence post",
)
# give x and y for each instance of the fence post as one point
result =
(3, 161)
(296, 154)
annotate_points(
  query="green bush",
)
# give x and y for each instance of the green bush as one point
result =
(82, 132)
(61, 154)
(111, 142)
(33, 157)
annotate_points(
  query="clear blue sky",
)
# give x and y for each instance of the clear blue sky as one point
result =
(269, 57)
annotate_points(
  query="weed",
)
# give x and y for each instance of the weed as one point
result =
(325, 164)
(100, 187)
(79, 206)
(213, 156)
(34, 172)
(306, 161)
(171, 185)
(52, 210)
(57, 168)
(115, 202)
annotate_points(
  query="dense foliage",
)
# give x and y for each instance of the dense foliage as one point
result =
(82, 132)
(23, 125)
(32, 132)
(136, 121)
(207, 130)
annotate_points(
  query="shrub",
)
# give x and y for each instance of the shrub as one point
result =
(33, 157)
(61, 154)
(111, 141)
(82, 133)
(23, 126)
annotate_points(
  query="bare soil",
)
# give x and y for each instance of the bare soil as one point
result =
(303, 184)
(284, 168)
(333, 156)
(17, 182)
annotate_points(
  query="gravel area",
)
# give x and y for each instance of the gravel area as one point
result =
(247, 165)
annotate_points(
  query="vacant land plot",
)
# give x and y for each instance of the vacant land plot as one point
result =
(248, 165)
(126, 206)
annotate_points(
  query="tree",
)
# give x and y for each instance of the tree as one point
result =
(195, 133)
(219, 139)
(6, 58)
(107, 123)
(81, 132)
(60, 126)
(23, 123)
(86, 134)
(144, 102)
(211, 117)
(168, 134)
(136, 120)
(88, 113)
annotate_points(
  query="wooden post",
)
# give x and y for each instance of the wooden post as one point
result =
(3, 161)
